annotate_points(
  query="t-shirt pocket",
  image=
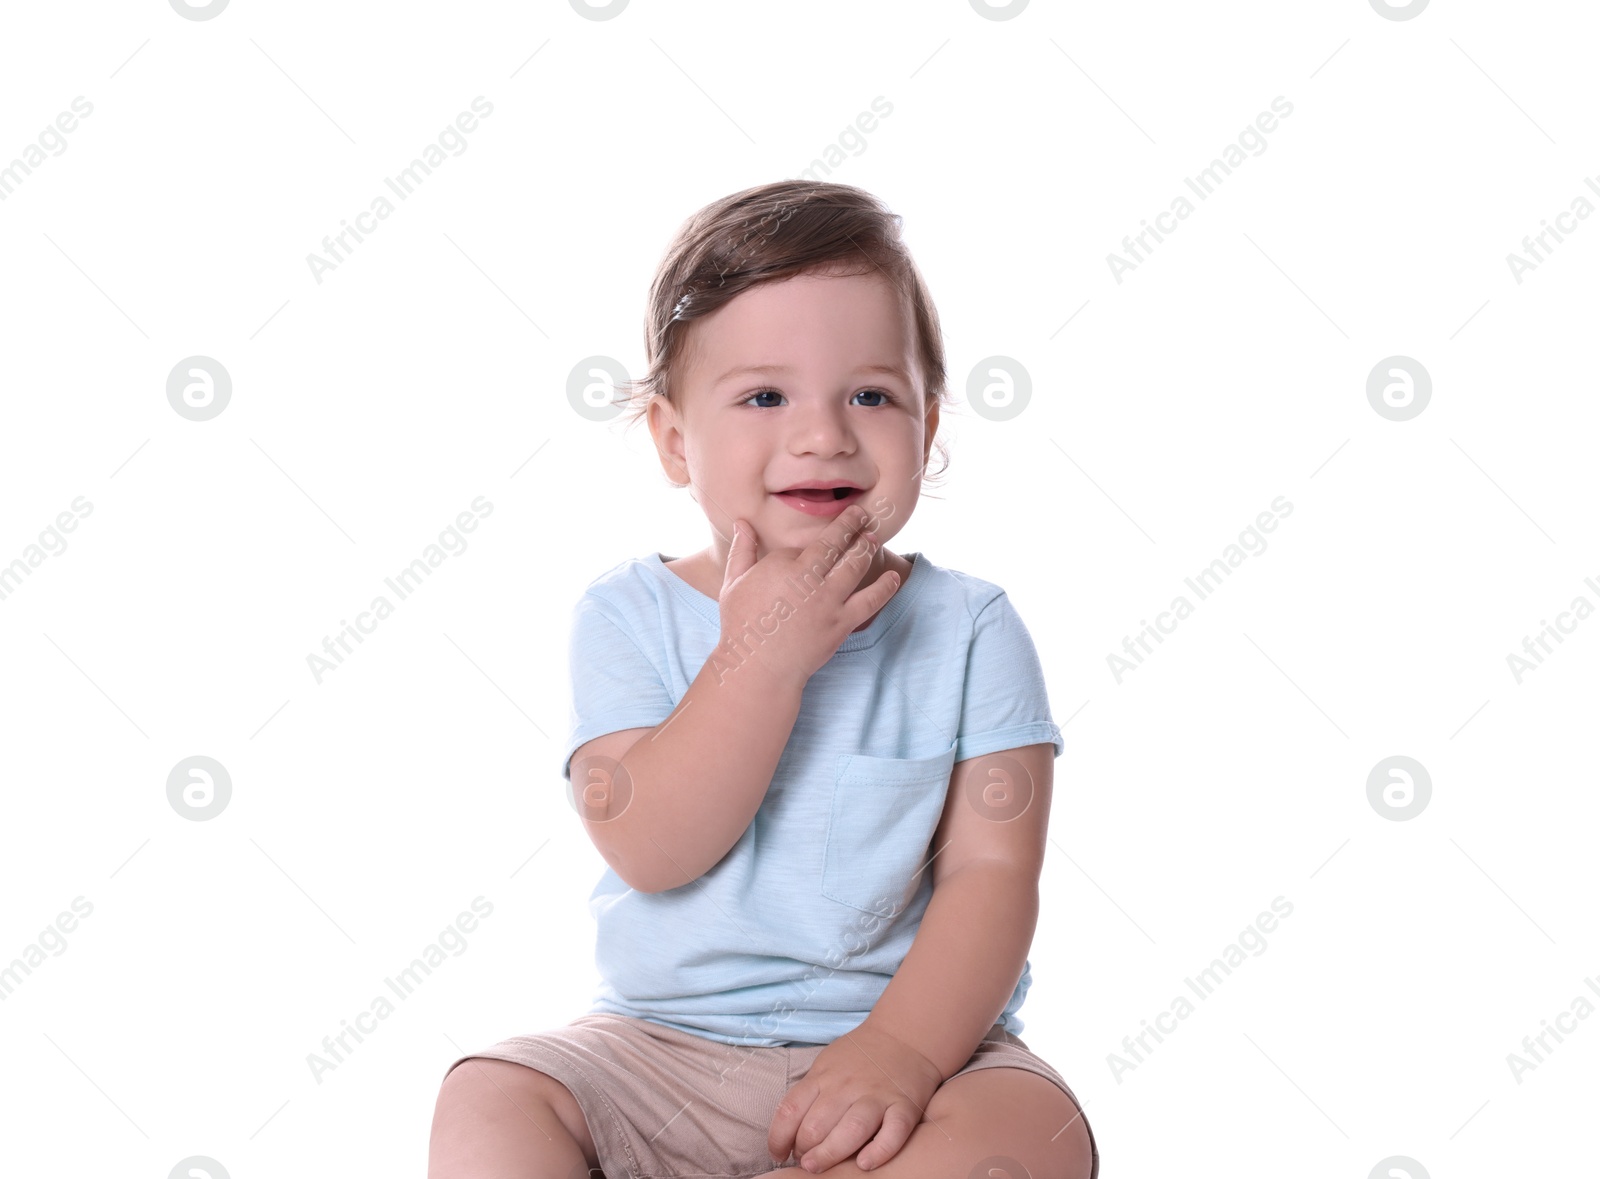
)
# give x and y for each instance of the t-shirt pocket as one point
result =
(884, 813)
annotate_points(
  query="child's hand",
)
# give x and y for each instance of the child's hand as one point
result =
(863, 1080)
(790, 610)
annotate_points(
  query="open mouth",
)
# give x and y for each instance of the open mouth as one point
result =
(823, 494)
(821, 501)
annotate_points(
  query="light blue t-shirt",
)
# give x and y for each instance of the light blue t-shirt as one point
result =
(793, 935)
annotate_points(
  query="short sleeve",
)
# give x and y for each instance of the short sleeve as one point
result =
(614, 684)
(1004, 704)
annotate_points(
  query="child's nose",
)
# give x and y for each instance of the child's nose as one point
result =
(823, 431)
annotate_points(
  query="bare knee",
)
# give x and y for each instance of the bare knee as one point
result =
(998, 1121)
(494, 1118)
(1037, 1129)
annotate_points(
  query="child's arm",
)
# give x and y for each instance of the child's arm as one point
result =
(973, 941)
(690, 786)
(963, 965)
(686, 790)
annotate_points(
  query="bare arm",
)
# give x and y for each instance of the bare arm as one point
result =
(664, 805)
(682, 793)
(972, 945)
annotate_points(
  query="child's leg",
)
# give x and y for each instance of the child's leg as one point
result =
(499, 1120)
(1017, 1122)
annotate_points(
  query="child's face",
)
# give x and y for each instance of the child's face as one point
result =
(819, 414)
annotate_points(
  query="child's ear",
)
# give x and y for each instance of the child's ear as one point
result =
(930, 429)
(662, 419)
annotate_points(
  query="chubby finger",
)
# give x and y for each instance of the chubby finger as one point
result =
(817, 1124)
(855, 560)
(785, 1125)
(898, 1122)
(867, 602)
(741, 553)
(824, 553)
(855, 1128)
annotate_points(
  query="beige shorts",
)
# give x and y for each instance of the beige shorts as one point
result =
(637, 1082)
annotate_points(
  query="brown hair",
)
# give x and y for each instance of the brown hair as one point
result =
(766, 234)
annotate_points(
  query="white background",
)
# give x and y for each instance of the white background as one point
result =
(431, 367)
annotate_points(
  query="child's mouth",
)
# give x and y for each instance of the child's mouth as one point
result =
(822, 494)
(821, 501)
